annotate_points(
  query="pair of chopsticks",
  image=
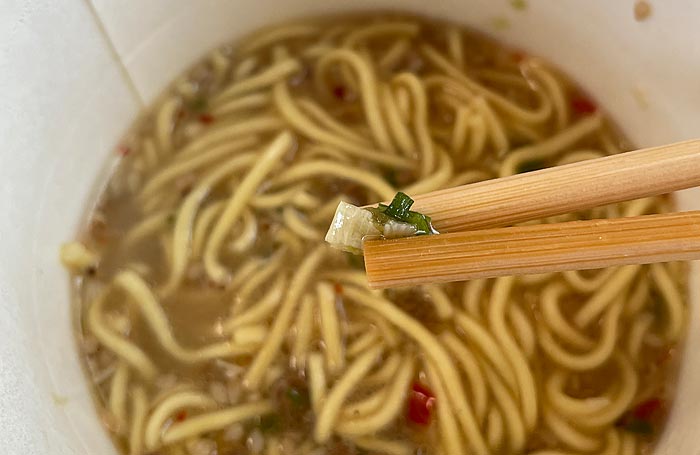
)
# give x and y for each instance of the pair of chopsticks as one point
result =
(473, 246)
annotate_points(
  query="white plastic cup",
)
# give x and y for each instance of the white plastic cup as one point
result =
(74, 73)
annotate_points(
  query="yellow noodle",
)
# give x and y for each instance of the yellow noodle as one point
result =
(522, 329)
(328, 122)
(593, 357)
(551, 86)
(617, 282)
(454, 46)
(155, 317)
(327, 168)
(249, 334)
(304, 332)
(470, 366)
(182, 233)
(638, 298)
(385, 372)
(227, 132)
(620, 401)
(263, 275)
(459, 132)
(126, 350)
(440, 300)
(397, 128)
(477, 138)
(363, 342)
(555, 320)
(587, 285)
(245, 271)
(510, 413)
(368, 90)
(269, 350)
(383, 446)
(247, 234)
(280, 33)
(259, 310)
(147, 227)
(567, 434)
(202, 225)
(262, 167)
(570, 406)
(181, 168)
(440, 358)
(508, 107)
(393, 55)
(242, 103)
(673, 323)
(367, 32)
(472, 296)
(479, 336)
(265, 78)
(165, 123)
(419, 101)
(550, 146)
(366, 405)
(306, 127)
(635, 338)
(330, 408)
(452, 442)
(437, 179)
(165, 409)
(494, 429)
(330, 328)
(216, 420)
(390, 408)
(293, 220)
(139, 408)
(497, 133)
(117, 394)
(317, 381)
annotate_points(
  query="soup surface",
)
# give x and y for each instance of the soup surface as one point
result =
(214, 320)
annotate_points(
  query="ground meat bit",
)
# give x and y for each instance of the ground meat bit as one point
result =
(291, 396)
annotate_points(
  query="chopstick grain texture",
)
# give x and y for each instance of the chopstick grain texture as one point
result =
(575, 245)
(564, 189)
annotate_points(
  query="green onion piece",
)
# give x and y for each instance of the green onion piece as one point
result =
(399, 207)
(298, 398)
(399, 210)
(198, 104)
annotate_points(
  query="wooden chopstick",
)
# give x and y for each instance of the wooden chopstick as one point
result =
(563, 189)
(575, 245)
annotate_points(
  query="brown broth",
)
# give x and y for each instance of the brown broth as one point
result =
(198, 309)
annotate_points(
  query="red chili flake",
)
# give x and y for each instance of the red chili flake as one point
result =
(181, 114)
(123, 150)
(338, 288)
(206, 118)
(583, 105)
(648, 409)
(180, 416)
(421, 402)
(340, 92)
